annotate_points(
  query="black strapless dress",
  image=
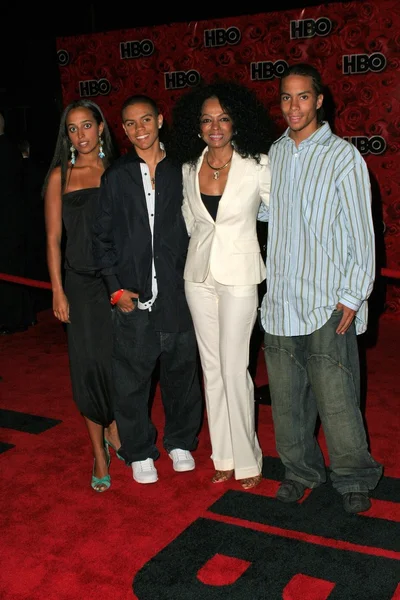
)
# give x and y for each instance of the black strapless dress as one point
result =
(89, 333)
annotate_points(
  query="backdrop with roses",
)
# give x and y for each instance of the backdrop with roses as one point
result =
(355, 45)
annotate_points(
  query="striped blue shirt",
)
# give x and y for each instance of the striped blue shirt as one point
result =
(320, 248)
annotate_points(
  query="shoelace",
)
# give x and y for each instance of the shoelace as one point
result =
(146, 465)
(182, 454)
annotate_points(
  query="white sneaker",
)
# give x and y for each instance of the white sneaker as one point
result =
(144, 471)
(182, 460)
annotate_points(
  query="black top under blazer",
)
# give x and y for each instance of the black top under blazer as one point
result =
(122, 243)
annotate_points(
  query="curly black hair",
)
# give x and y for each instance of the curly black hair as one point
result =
(253, 126)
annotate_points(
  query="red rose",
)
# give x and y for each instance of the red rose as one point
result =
(322, 46)
(352, 35)
(253, 33)
(246, 53)
(85, 65)
(225, 58)
(298, 52)
(353, 118)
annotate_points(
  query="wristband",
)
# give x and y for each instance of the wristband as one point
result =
(116, 296)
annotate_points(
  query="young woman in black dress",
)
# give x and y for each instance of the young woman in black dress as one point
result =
(84, 149)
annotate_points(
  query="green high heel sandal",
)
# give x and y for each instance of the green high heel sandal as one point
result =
(107, 443)
(101, 484)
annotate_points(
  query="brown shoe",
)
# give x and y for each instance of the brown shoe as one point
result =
(251, 482)
(221, 476)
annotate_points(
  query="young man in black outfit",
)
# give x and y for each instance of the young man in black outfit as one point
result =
(140, 246)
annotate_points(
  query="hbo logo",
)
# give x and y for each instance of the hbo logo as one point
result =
(221, 37)
(136, 49)
(308, 28)
(177, 80)
(267, 69)
(361, 63)
(372, 145)
(94, 88)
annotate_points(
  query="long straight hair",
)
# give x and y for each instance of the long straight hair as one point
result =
(62, 152)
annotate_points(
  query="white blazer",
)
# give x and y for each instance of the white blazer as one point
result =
(229, 245)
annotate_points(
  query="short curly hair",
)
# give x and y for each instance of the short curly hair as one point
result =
(253, 127)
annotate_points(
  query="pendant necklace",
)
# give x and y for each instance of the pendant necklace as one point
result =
(218, 169)
(153, 179)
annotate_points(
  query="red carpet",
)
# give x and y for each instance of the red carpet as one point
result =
(182, 538)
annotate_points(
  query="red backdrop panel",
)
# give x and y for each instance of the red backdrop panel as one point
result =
(355, 45)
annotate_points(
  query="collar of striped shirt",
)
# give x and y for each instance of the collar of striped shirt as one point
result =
(320, 136)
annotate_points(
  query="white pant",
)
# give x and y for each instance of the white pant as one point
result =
(224, 317)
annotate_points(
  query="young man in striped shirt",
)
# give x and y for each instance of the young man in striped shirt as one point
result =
(320, 272)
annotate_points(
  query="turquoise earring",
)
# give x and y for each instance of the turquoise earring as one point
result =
(101, 153)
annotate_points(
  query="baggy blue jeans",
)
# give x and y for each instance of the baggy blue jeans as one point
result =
(316, 374)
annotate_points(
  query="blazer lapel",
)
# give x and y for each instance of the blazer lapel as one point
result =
(197, 187)
(234, 179)
(235, 176)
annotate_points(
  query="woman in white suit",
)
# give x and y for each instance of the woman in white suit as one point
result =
(221, 134)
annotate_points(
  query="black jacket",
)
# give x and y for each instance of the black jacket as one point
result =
(122, 244)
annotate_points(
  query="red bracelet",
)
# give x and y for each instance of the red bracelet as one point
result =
(116, 296)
